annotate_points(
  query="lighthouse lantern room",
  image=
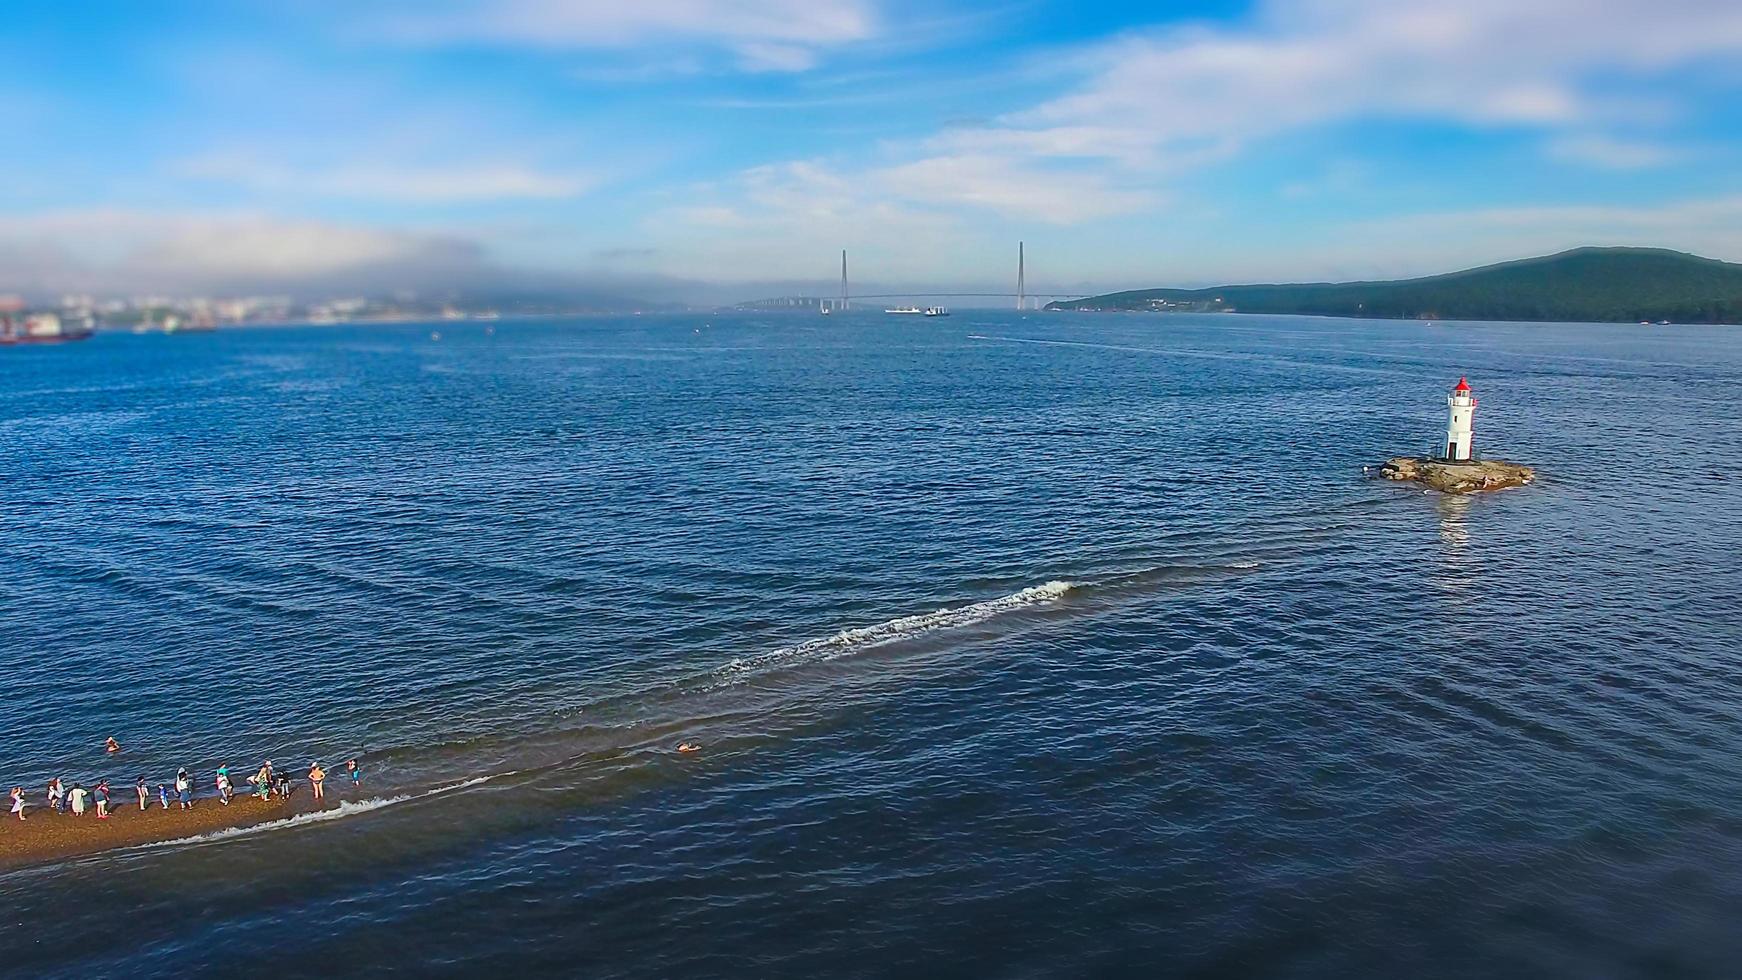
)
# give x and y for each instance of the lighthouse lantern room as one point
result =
(1460, 442)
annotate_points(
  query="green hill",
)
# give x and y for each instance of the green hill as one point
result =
(1583, 285)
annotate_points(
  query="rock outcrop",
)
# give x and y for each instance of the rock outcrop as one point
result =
(1467, 476)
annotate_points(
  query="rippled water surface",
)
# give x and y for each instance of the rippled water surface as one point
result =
(1052, 645)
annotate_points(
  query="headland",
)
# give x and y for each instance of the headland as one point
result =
(1584, 285)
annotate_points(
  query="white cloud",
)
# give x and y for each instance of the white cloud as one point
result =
(122, 248)
(413, 185)
(1153, 105)
(1611, 154)
(761, 56)
(767, 35)
(796, 216)
(915, 216)
(1297, 64)
(1150, 107)
(1007, 186)
(288, 249)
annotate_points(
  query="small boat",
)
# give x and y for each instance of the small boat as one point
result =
(905, 310)
(936, 311)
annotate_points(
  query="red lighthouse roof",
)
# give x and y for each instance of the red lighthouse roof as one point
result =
(1463, 385)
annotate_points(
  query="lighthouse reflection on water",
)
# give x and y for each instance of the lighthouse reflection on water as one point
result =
(1459, 567)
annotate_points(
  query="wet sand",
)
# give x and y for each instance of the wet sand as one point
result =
(44, 835)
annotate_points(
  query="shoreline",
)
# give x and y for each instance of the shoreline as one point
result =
(45, 836)
(1457, 476)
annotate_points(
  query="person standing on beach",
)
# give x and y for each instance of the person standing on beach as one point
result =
(316, 778)
(263, 783)
(355, 772)
(223, 782)
(163, 795)
(57, 797)
(144, 793)
(184, 788)
(77, 798)
(102, 795)
(18, 802)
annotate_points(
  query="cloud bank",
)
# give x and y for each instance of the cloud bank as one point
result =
(765, 35)
(421, 143)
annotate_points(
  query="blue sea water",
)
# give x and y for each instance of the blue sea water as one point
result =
(1018, 646)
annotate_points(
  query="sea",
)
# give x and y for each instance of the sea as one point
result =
(1016, 644)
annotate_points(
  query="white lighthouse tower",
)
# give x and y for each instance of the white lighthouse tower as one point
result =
(1460, 441)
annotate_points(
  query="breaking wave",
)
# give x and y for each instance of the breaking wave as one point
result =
(861, 637)
(346, 808)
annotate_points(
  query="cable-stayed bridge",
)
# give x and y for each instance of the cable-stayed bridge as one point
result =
(1024, 298)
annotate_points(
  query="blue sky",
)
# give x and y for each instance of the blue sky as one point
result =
(688, 149)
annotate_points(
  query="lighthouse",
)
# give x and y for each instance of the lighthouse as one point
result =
(1460, 442)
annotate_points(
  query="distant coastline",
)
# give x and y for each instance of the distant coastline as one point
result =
(1585, 285)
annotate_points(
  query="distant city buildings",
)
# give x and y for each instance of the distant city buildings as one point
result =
(151, 312)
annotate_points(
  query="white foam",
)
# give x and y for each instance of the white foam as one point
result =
(469, 782)
(860, 637)
(346, 808)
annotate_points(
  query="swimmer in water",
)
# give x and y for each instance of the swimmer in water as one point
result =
(688, 747)
(110, 745)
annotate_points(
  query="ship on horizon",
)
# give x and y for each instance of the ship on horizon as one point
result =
(42, 328)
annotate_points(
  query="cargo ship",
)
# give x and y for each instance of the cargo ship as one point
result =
(41, 328)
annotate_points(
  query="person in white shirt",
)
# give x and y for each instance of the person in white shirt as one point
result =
(77, 796)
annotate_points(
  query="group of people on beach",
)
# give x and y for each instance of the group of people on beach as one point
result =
(268, 783)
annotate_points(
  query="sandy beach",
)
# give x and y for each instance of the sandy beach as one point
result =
(44, 835)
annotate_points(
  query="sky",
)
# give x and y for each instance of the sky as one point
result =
(704, 151)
